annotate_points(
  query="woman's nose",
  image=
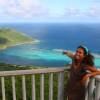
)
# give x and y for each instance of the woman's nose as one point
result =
(77, 53)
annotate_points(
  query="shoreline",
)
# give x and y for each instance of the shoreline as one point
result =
(31, 42)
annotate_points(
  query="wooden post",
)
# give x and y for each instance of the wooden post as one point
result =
(23, 87)
(61, 86)
(86, 89)
(13, 88)
(91, 89)
(33, 88)
(42, 87)
(97, 90)
(3, 88)
(51, 86)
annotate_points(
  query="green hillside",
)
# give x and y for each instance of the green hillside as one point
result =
(10, 37)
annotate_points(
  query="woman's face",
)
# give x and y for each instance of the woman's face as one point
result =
(79, 55)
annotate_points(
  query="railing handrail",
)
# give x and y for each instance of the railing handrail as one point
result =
(32, 71)
(42, 71)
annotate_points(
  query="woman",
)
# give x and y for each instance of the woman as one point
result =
(82, 62)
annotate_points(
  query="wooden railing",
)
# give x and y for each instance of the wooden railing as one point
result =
(92, 88)
(33, 72)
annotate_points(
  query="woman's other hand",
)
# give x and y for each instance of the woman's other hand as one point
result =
(85, 78)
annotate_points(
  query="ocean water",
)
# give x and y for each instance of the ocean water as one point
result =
(54, 38)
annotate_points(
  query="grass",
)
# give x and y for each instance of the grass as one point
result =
(11, 37)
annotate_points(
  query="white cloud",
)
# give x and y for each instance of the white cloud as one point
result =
(3, 2)
(94, 11)
(24, 8)
(76, 13)
(72, 13)
(34, 9)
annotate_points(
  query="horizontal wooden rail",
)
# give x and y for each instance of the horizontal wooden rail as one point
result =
(32, 71)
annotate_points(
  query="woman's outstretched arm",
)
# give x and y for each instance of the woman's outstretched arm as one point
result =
(69, 54)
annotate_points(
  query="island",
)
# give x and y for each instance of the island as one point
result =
(10, 37)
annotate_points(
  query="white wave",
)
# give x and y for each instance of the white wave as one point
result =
(96, 55)
(58, 50)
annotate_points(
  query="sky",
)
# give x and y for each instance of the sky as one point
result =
(49, 11)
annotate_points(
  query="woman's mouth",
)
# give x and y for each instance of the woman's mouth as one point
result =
(77, 56)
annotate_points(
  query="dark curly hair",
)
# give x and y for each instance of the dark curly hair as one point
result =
(89, 58)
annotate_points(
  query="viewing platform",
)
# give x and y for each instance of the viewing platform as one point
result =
(92, 86)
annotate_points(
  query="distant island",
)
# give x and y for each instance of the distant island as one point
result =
(11, 37)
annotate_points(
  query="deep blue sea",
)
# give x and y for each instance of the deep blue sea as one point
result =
(54, 38)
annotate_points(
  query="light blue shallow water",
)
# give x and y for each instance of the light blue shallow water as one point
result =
(27, 55)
